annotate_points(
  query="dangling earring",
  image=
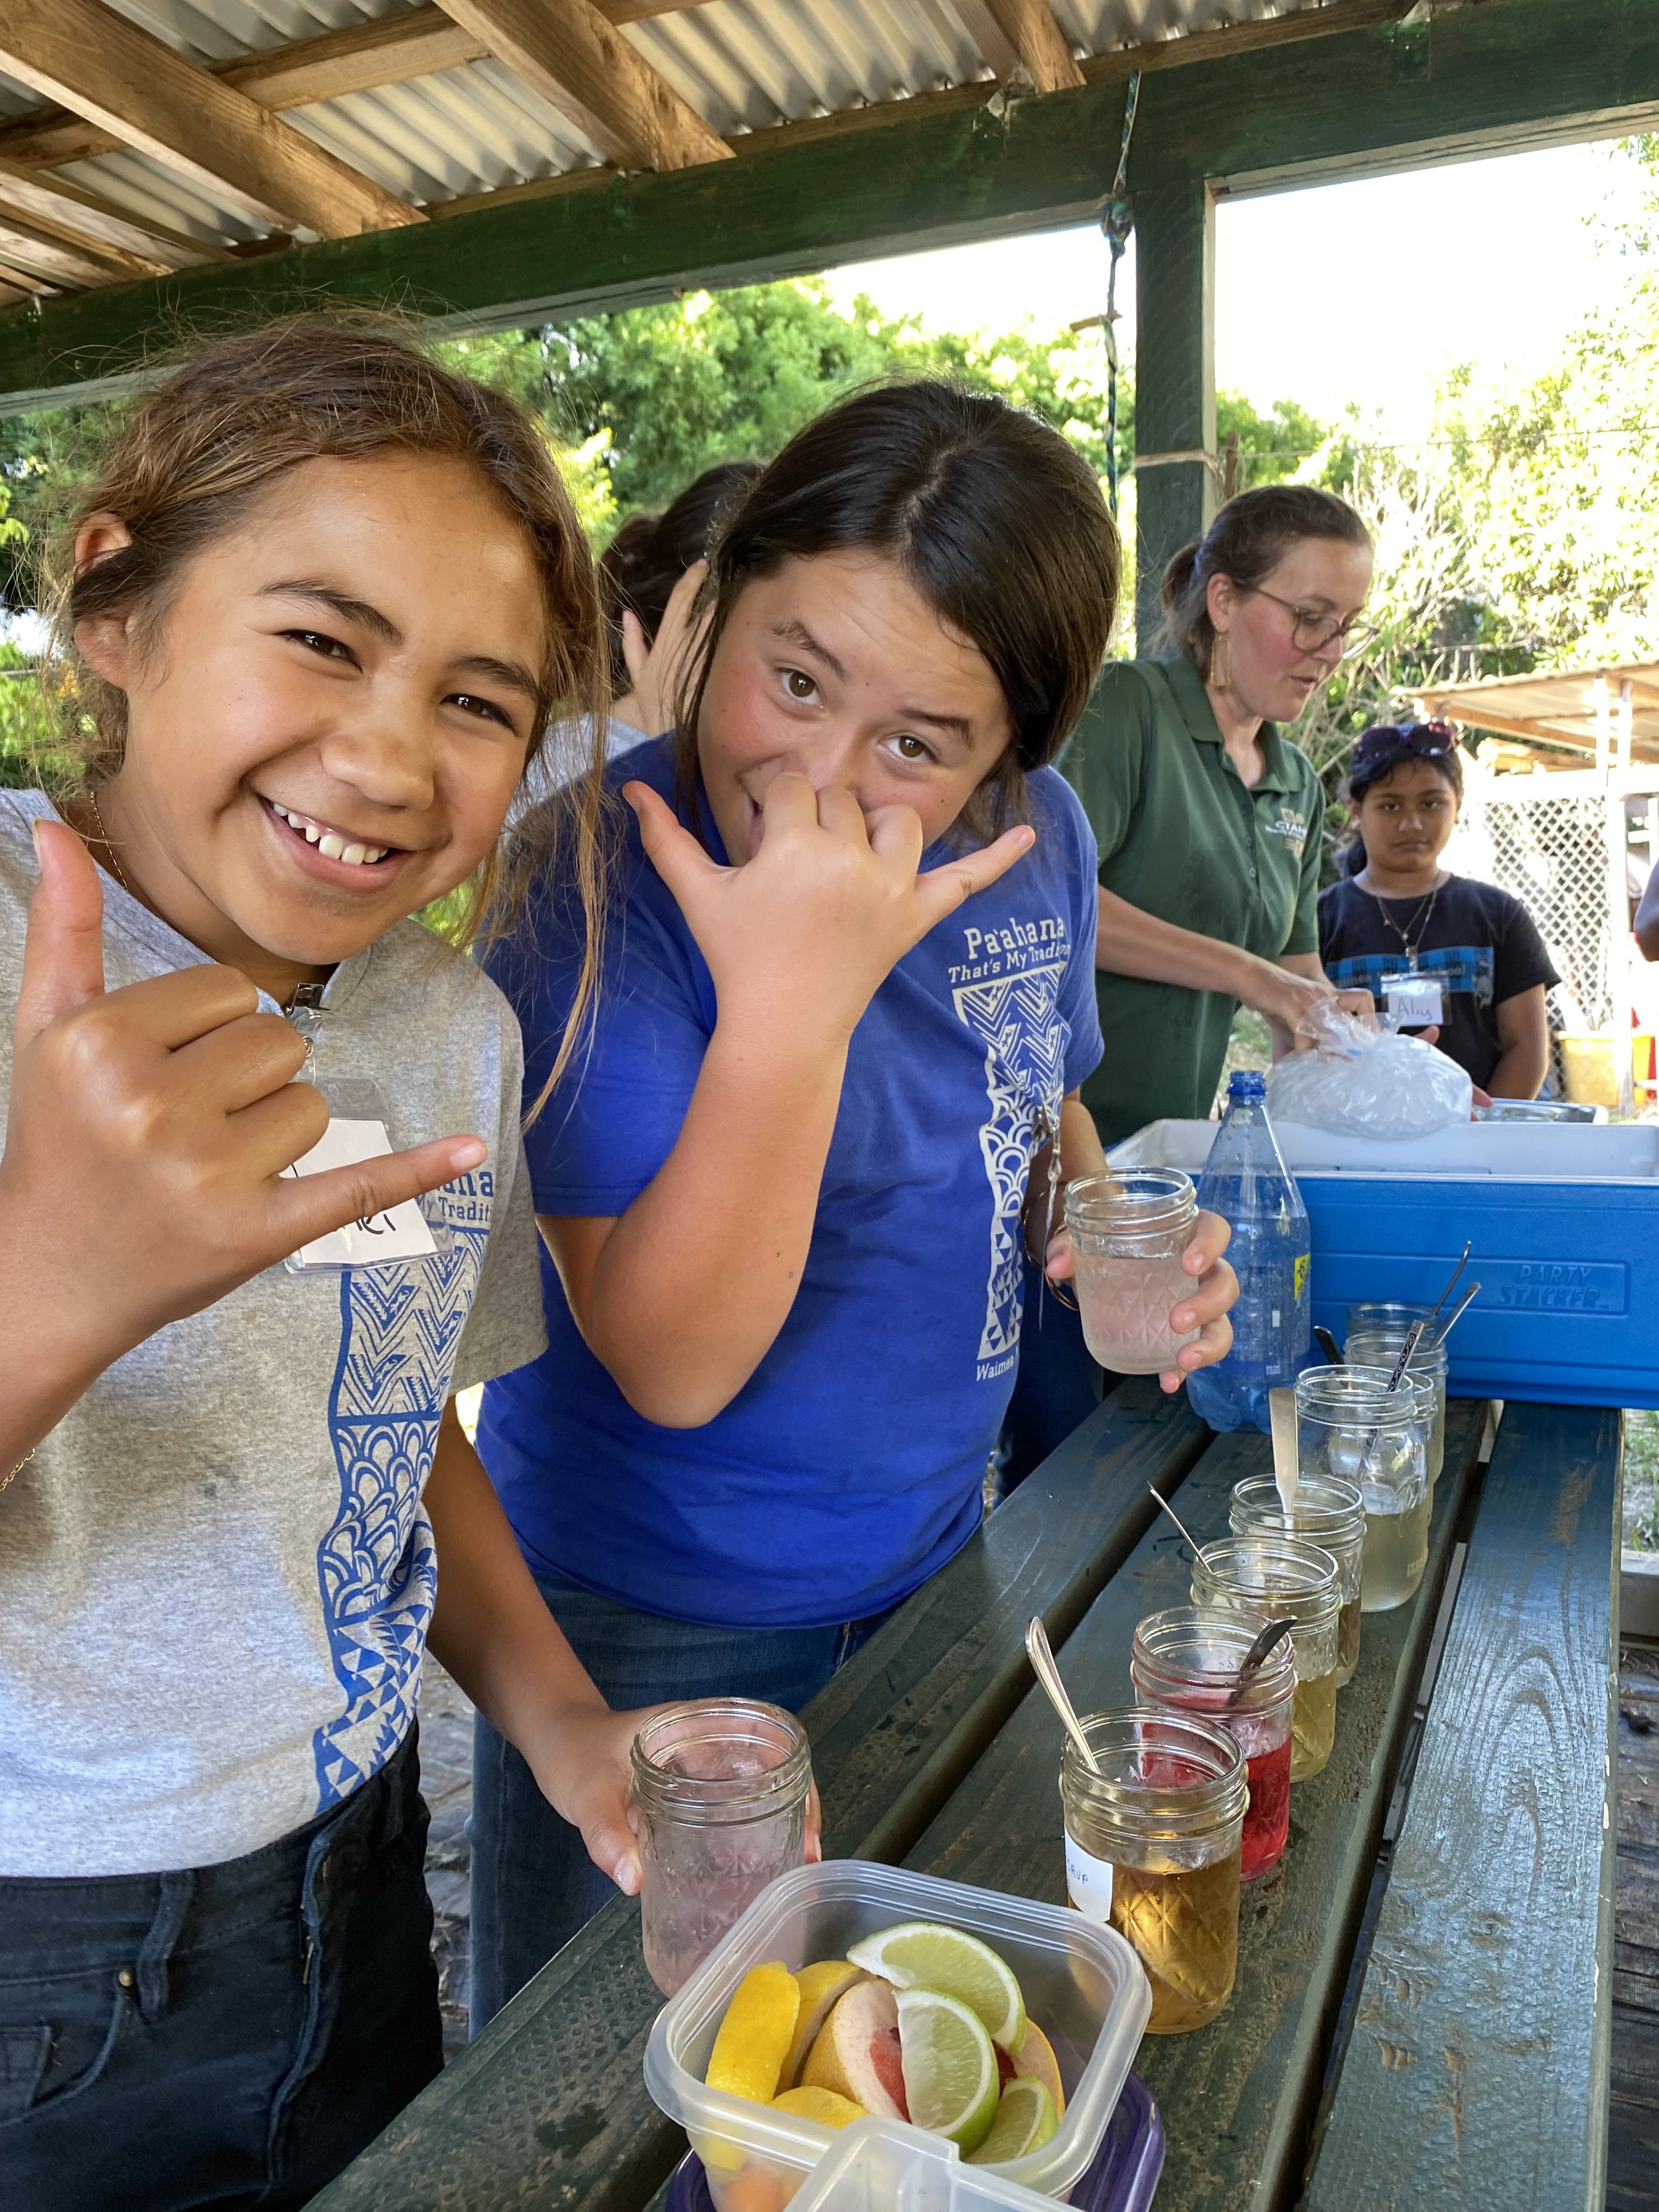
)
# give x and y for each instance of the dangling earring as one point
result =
(1221, 662)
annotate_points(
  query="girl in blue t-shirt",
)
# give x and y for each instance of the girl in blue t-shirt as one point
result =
(848, 1002)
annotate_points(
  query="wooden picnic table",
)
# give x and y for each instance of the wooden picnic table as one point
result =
(1422, 2011)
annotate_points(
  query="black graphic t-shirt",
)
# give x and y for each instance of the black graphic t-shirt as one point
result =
(1479, 944)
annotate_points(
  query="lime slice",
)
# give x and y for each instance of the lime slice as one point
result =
(950, 2068)
(922, 1954)
(1025, 2119)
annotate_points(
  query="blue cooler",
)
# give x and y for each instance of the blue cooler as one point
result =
(1564, 1220)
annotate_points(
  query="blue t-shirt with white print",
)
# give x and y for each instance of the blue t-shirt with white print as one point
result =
(850, 1467)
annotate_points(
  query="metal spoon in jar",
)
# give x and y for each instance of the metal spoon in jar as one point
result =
(1042, 1665)
(1269, 1640)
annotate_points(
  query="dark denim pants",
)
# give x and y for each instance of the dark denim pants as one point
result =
(1058, 1385)
(230, 2036)
(533, 1884)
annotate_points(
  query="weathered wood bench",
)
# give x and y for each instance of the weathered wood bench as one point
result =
(1343, 2065)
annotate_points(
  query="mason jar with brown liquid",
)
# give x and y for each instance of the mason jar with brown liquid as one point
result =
(1331, 1513)
(1276, 1575)
(1153, 1843)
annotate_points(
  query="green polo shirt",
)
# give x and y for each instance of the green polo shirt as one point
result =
(1183, 837)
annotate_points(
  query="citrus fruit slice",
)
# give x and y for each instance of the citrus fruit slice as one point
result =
(1036, 2057)
(857, 2052)
(949, 2067)
(821, 1987)
(823, 2105)
(754, 2035)
(922, 1954)
(1025, 2121)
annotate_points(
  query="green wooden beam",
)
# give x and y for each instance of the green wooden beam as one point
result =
(1502, 74)
(1175, 380)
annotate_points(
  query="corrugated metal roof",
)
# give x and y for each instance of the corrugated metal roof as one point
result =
(743, 65)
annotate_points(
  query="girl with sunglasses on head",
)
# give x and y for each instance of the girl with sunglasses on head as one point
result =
(1207, 818)
(787, 1182)
(1464, 958)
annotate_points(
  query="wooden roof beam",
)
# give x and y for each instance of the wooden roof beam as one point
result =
(1022, 34)
(83, 218)
(568, 52)
(146, 96)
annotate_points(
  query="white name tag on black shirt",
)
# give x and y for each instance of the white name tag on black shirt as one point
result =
(1413, 1000)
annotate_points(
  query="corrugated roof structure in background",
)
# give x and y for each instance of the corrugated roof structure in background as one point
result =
(138, 136)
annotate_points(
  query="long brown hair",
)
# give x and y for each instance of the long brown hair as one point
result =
(188, 461)
(1247, 541)
(989, 514)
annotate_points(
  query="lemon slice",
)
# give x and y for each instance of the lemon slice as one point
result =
(950, 2068)
(756, 2034)
(922, 1954)
(1025, 2119)
(823, 2105)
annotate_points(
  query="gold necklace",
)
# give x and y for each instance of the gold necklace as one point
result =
(103, 839)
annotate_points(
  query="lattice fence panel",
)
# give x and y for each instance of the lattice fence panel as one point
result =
(1551, 853)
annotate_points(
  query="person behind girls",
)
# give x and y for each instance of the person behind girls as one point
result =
(649, 575)
(324, 599)
(1397, 911)
(847, 1002)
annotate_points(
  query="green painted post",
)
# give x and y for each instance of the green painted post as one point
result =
(1175, 377)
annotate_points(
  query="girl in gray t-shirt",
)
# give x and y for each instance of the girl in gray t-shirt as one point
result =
(323, 599)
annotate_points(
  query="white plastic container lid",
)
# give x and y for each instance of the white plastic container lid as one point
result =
(1083, 1985)
(883, 2166)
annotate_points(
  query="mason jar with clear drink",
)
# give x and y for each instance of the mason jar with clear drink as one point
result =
(721, 1785)
(1332, 1513)
(1350, 1424)
(1128, 1229)
(1376, 1337)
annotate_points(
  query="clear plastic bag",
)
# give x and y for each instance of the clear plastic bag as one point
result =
(1363, 1082)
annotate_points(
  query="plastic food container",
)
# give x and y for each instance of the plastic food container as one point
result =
(882, 2166)
(1123, 2176)
(1083, 1985)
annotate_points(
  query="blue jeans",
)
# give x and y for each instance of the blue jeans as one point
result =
(230, 2036)
(1059, 1384)
(533, 1884)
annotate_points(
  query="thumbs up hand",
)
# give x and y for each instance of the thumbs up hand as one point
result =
(148, 1127)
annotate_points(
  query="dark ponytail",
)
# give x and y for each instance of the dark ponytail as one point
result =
(1246, 542)
(651, 552)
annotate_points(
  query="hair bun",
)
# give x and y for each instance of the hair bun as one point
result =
(1178, 572)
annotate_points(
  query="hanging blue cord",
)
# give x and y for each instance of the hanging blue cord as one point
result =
(1116, 222)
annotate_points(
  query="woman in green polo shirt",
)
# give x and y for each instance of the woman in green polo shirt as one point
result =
(1207, 817)
(1208, 823)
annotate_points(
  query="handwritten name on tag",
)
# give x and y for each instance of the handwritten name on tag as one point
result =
(402, 1234)
(1413, 1000)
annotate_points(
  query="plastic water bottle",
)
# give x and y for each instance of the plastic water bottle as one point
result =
(1246, 1181)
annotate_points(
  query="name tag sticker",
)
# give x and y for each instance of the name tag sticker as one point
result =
(1413, 1000)
(1088, 1882)
(355, 1134)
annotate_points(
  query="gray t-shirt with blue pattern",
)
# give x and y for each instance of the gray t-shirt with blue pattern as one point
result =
(216, 1573)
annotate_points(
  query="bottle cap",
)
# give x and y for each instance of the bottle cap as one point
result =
(1247, 1082)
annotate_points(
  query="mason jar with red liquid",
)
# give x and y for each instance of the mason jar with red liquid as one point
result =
(1187, 1660)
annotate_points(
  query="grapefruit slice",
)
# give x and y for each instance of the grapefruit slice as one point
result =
(857, 2052)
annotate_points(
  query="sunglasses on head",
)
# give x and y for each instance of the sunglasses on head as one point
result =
(1426, 740)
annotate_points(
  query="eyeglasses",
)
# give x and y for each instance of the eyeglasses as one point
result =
(1312, 631)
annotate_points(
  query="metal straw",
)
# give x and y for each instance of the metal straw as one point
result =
(1435, 1309)
(1464, 1304)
